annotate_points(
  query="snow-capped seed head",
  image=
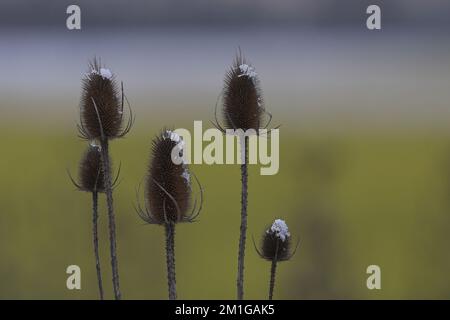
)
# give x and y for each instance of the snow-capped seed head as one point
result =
(280, 229)
(100, 99)
(242, 99)
(167, 193)
(91, 176)
(276, 242)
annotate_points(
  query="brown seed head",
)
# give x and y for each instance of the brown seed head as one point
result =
(242, 99)
(168, 186)
(91, 176)
(276, 242)
(101, 107)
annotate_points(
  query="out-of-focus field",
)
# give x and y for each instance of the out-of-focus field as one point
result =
(352, 198)
(364, 168)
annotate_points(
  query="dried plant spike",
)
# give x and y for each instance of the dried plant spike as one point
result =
(101, 119)
(276, 247)
(242, 98)
(168, 195)
(91, 179)
(242, 109)
(168, 185)
(101, 105)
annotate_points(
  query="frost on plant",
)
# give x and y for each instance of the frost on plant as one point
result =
(95, 144)
(186, 176)
(104, 73)
(175, 137)
(178, 157)
(248, 71)
(280, 229)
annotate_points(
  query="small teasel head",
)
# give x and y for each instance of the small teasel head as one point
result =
(168, 184)
(276, 242)
(242, 98)
(101, 105)
(90, 174)
(91, 177)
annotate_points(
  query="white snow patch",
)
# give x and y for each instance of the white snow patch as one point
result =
(186, 175)
(175, 137)
(248, 71)
(93, 72)
(105, 73)
(280, 229)
(95, 144)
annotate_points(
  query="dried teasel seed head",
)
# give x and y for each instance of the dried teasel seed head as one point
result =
(168, 185)
(276, 242)
(242, 98)
(91, 177)
(101, 106)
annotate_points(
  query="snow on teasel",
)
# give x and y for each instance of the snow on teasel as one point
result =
(276, 242)
(103, 72)
(242, 97)
(248, 71)
(168, 185)
(101, 106)
(186, 176)
(106, 73)
(280, 229)
(175, 137)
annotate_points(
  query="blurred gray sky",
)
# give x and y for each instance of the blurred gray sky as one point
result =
(138, 13)
(316, 60)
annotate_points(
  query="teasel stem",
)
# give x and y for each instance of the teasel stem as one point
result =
(243, 229)
(95, 236)
(273, 270)
(111, 218)
(170, 258)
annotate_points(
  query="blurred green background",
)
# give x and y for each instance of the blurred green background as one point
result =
(365, 146)
(352, 200)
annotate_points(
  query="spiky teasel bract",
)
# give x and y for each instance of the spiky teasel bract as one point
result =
(101, 107)
(168, 186)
